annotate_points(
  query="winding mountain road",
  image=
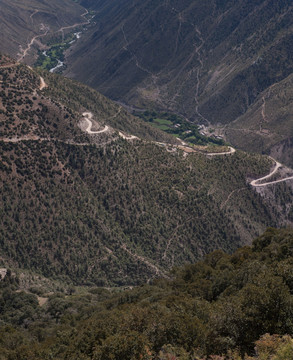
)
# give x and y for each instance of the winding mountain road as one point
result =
(74, 25)
(255, 182)
(129, 137)
(23, 52)
(230, 152)
(42, 81)
(88, 116)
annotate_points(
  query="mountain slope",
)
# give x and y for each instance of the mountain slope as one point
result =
(225, 305)
(24, 20)
(212, 62)
(267, 125)
(86, 202)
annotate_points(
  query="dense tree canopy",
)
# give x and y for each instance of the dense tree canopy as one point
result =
(222, 305)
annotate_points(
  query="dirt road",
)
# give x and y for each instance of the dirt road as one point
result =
(256, 182)
(88, 116)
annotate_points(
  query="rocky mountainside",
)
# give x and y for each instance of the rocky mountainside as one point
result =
(91, 194)
(226, 64)
(22, 21)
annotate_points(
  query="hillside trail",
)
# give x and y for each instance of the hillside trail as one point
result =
(43, 84)
(224, 203)
(23, 52)
(42, 81)
(137, 63)
(153, 76)
(264, 116)
(33, 14)
(177, 231)
(196, 53)
(6, 66)
(87, 116)
(198, 72)
(155, 269)
(74, 25)
(128, 137)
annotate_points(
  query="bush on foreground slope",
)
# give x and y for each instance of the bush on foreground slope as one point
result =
(222, 305)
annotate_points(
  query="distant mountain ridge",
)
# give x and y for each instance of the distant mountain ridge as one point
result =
(225, 64)
(220, 63)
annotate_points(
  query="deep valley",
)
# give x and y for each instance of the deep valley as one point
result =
(146, 204)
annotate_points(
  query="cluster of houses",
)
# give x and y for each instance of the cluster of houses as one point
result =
(203, 130)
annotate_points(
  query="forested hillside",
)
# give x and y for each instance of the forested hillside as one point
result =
(119, 205)
(230, 307)
(146, 235)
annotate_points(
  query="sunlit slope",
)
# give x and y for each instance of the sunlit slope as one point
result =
(87, 199)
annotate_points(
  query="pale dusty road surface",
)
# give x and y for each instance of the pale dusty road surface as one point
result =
(230, 152)
(255, 183)
(42, 300)
(274, 182)
(75, 25)
(88, 116)
(24, 52)
(16, 139)
(42, 83)
(188, 149)
(8, 65)
(127, 137)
